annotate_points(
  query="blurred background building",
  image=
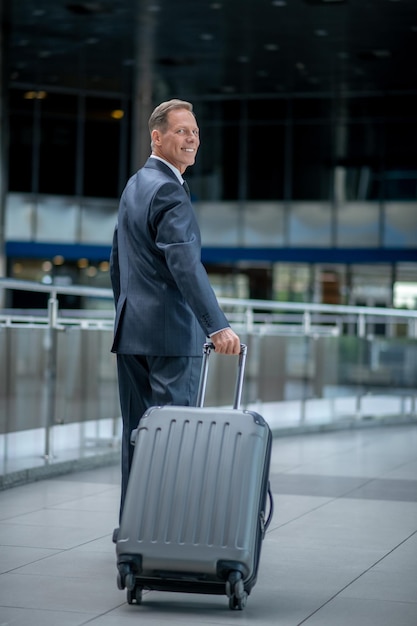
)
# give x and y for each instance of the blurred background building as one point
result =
(305, 185)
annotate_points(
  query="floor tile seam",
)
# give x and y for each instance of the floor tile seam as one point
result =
(23, 546)
(355, 579)
(9, 518)
(38, 560)
(14, 520)
(94, 618)
(330, 498)
(368, 480)
(47, 610)
(348, 493)
(90, 615)
(302, 515)
(328, 501)
(43, 576)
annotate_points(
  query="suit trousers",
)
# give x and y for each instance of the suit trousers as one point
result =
(146, 381)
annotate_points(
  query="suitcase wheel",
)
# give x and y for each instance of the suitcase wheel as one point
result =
(120, 583)
(235, 591)
(134, 596)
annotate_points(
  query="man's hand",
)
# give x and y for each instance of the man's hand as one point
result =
(226, 342)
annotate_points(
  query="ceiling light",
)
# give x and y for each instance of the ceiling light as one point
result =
(87, 8)
(271, 47)
(369, 55)
(322, 2)
(381, 54)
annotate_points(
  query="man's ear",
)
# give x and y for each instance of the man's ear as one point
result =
(156, 137)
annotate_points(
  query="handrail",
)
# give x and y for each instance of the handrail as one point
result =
(264, 305)
(252, 318)
(55, 289)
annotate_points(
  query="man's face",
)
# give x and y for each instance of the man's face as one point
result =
(179, 144)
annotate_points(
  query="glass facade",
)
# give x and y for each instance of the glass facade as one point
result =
(294, 178)
(281, 149)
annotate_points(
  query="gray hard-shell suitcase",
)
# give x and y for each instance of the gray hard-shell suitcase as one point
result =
(198, 501)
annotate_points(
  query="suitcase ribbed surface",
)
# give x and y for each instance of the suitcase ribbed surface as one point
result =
(195, 488)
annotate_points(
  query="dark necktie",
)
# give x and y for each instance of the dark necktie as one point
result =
(186, 187)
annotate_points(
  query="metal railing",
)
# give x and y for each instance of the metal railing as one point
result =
(325, 360)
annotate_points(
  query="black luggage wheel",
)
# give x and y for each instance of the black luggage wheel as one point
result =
(134, 595)
(235, 591)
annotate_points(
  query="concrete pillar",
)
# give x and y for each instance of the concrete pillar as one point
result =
(142, 98)
(4, 131)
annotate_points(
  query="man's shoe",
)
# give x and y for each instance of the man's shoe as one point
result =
(115, 535)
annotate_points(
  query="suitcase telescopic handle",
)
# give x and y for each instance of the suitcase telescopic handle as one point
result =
(207, 348)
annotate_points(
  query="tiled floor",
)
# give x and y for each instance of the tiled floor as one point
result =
(341, 549)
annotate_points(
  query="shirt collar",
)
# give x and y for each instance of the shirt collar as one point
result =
(172, 167)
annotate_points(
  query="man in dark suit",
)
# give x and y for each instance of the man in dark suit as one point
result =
(165, 305)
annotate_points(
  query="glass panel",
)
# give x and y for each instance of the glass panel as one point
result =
(215, 174)
(57, 165)
(98, 219)
(312, 108)
(400, 227)
(310, 225)
(291, 282)
(20, 215)
(102, 148)
(358, 225)
(219, 223)
(267, 111)
(57, 219)
(263, 224)
(371, 285)
(265, 176)
(312, 173)
(21, 141)
(228, 162)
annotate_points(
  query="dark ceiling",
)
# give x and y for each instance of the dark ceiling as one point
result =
(212, 48)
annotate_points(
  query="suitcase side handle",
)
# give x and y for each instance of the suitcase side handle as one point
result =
(207, 348)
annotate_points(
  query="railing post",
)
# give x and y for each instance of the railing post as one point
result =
(306, 322)
(50, 372)
(361, 325)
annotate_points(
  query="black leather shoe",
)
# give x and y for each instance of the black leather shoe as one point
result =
(115, 535)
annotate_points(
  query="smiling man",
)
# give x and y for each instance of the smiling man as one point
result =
(165, 305)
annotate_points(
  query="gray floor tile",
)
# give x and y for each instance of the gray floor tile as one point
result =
(357, 612)
(97, 595)
(38, 617)
(392, 586)
(13, 557)
(341, 549)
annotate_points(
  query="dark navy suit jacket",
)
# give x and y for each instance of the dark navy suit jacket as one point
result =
(165, 305)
